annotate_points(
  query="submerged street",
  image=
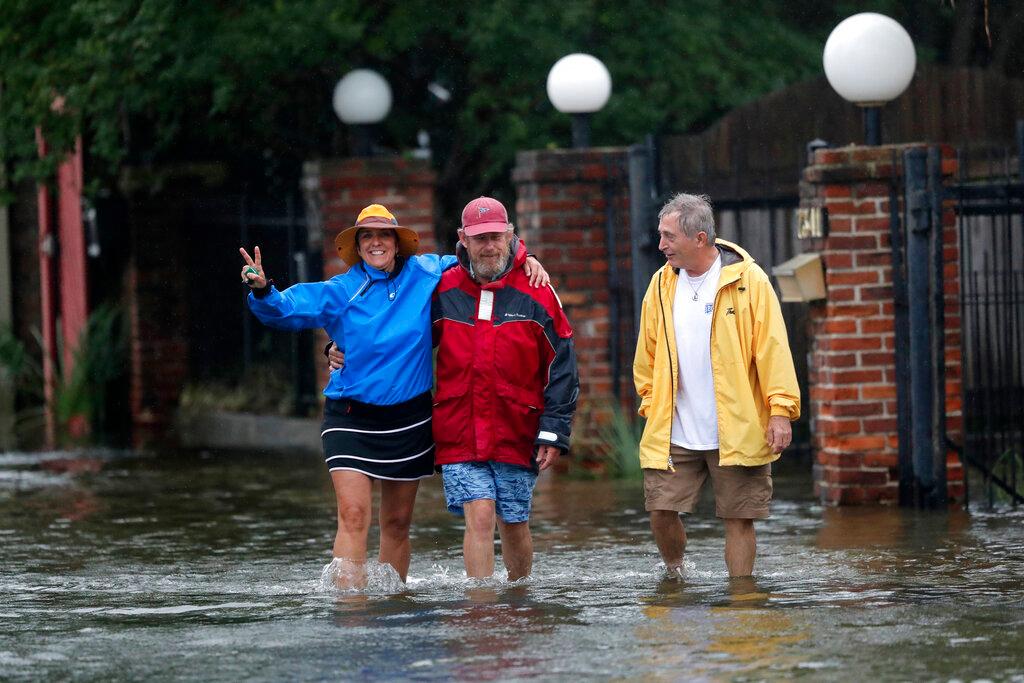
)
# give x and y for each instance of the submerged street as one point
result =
(208, 567)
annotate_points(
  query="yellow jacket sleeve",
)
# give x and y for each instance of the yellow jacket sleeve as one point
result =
(772, 356)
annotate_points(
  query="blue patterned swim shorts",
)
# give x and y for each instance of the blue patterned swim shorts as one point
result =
(509, 486)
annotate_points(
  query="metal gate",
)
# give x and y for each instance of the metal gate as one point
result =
(226, 342)
(989, 199)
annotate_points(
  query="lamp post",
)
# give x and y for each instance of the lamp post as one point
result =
(578, 85)
(869, 60)
(361, 99)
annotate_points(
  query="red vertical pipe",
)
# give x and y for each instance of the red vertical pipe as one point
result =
(74, 306)
(46, 298)
(74, 302)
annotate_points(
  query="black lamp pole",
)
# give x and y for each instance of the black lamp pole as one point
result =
(872, 125)
(580, 131)
(361, 139)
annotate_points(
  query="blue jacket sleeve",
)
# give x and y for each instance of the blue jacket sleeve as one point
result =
(300, 307)
(434, 264)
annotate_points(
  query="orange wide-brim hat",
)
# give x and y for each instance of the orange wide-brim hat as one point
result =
(375, 216)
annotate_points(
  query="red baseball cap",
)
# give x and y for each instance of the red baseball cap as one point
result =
(484, 214)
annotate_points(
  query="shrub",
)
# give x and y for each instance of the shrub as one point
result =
(263, 390)
(99, 359)
(1010, 468)
(619, 440)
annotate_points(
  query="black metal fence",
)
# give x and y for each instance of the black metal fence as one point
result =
(226, 341)
(989, 197)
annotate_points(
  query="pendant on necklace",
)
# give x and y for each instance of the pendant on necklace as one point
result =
(694, 297)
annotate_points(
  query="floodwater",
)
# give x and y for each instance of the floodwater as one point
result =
(208, 567)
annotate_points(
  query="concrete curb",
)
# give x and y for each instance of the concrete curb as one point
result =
(245, 431)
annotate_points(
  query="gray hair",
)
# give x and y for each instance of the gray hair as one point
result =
(694, 214)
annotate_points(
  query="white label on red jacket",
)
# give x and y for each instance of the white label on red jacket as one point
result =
(486, 305)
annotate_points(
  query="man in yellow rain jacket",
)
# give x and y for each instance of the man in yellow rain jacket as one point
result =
(716, 382)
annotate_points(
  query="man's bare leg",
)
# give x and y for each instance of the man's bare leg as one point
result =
(478, 542)
(516, 549)
(670, 535)
(740, 546)
(353, 492)
(397, 499)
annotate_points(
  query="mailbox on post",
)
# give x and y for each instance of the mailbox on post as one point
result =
(801, 278)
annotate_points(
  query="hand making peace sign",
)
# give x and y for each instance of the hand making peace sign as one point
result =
(252, 271)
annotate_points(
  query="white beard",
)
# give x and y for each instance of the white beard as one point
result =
(486, 270)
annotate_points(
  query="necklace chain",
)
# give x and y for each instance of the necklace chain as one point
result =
(699, 284)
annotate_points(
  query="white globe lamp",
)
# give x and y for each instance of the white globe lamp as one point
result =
(579, 85)
(869, 60)
(361, 99)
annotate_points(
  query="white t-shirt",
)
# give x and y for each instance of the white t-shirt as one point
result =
(695, 422)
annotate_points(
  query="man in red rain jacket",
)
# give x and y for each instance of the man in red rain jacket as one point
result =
(506, 388)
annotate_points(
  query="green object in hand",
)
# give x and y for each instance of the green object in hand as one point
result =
(252, 270)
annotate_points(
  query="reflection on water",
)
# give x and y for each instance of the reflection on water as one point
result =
(210, 567)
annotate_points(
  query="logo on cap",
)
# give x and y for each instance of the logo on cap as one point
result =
(484, 214)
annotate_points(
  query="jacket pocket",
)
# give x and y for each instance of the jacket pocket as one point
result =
(452, 418)
(519, 410)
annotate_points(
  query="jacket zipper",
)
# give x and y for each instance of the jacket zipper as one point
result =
(668, 346)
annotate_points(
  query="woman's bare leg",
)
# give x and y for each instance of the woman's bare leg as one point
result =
(397, 499)
(354, 492)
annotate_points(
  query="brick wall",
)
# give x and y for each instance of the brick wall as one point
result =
(338, 189)
(341, 188)
(562, 196)
(852, 362)
(155, 290)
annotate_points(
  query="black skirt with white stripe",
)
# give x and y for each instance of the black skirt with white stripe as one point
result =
(383, 442)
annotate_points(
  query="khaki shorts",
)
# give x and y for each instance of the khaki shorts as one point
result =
(740, 492)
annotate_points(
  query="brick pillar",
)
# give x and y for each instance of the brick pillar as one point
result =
(157, 308)
(852, 371)
(560, 212)
(338, 189)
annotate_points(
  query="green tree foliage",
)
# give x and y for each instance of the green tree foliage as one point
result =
(250, 81)
(145, 80)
